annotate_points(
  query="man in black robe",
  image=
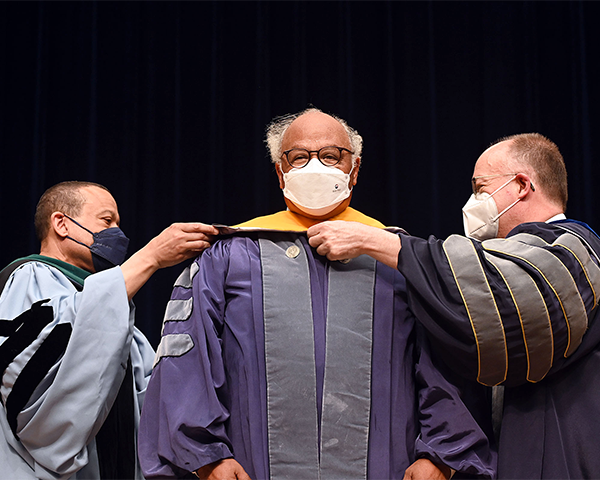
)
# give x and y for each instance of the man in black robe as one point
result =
(513, 304)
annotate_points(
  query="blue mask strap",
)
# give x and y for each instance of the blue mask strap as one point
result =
(79, 224)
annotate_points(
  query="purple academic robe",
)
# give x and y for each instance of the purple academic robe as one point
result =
(208, 396)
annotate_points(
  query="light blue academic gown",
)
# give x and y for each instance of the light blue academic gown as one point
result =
(53, 434)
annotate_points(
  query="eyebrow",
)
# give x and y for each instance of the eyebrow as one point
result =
(487, 177)
(474, 183)
(112, 213)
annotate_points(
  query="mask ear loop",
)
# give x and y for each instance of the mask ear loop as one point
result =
(506, 209)
(80, 225)
(502, 186)
(503, 211)
(510, 206)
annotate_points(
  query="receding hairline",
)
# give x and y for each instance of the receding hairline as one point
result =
(67, 197)
(515, 158)
(334, 123)
(278, 127)
(73, 185)
(541, 158)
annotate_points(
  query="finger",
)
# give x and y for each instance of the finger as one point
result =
(194, 237)
(197, 227)
(333, 257)
(315, 241)
(197, 245)
(312, 231)
(206, 229)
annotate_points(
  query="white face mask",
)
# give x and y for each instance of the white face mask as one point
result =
(316, 189)
(480, 215)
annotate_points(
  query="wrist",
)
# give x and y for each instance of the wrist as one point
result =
(137, 270)
(383, 246)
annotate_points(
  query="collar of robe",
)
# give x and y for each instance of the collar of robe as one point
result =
(286, 221)
(73, 273)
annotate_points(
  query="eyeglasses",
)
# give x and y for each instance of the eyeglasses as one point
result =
(328, 156)
(474, 179)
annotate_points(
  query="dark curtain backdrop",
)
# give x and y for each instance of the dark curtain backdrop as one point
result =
(166, 104)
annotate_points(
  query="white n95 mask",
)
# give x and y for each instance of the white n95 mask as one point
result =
(316, 189)
(480, 215)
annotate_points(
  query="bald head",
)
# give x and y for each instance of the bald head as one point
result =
(534, 155)
(276, 131)
(314, 130)
(544, 161)
(526, 177)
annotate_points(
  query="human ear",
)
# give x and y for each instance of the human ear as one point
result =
(280, 175)
(525, 184)
(58, 224)
(354, 173)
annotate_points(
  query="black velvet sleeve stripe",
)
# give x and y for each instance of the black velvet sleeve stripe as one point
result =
(32, 321)
(35, 370)
(8, 327)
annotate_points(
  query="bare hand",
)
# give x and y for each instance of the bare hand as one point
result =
(339, 240)
(226, 469)
(179, 242)
(424, 469)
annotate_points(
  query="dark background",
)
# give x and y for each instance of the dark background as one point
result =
(166, 104)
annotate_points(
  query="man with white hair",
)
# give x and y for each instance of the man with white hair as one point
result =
(513, 303)
(277, 363)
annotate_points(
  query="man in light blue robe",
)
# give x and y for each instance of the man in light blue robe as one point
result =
(74, 368)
